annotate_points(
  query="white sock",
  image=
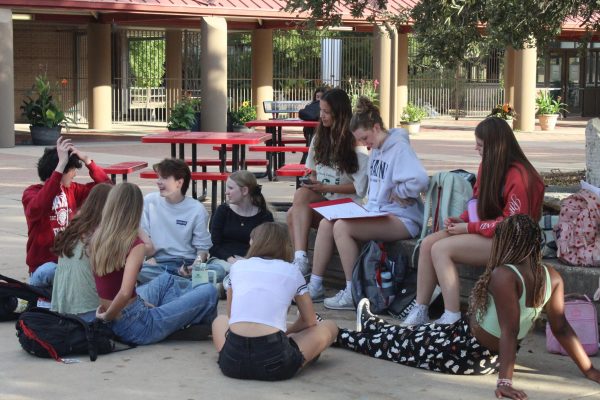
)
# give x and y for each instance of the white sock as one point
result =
(454, 315)
(300, 254)
(316, 281)
(423, 307)
(349, 286)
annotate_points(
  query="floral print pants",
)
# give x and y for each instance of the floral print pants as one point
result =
(450, 349)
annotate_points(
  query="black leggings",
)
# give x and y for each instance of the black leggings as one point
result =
(450, 349)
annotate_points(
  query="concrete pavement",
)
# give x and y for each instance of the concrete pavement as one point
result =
(188, 370)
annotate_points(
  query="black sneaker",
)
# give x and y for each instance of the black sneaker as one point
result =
(363, 313)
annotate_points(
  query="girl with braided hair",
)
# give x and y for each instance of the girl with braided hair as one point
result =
(507, 184)
(396, 178)
(506, 300)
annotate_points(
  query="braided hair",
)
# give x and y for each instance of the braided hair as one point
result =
(517, 240)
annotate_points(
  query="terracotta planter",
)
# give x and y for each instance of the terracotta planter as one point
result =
(242, 128)
(548, 121)
(44, 136)
(412, 127)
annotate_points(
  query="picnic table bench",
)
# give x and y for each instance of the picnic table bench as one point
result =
(123, 168)
(276, 107)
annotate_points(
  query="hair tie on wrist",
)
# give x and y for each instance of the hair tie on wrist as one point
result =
(504, 382)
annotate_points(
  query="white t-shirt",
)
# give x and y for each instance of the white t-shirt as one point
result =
(263, 290)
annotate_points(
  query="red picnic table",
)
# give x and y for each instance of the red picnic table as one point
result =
(238, 141)
(275, 127)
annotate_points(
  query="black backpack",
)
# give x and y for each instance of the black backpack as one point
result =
(48, 334)
(11, 290)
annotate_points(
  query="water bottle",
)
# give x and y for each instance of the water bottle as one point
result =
(387, 286)
(14, 305)
(199, 272)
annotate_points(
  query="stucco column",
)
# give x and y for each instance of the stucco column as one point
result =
(262, 69)
(174, 73)
(525, 70)
(7, 81)
(509, 75)
(213, 56)
(99, 78)
(382, 60)
(394, 111)
(402, 99)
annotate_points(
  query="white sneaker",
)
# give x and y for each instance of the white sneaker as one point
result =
(418, 315)
(363, 313)
(317, 294)
(303, 265)
(341, 301)
(447, 318)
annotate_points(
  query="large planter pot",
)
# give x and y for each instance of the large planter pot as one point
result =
(44, 136)
(548, 121)
(412, 127)
(242, 128)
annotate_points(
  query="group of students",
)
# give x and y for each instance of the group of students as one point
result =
(253, 339)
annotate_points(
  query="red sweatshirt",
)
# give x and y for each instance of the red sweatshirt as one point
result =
(48, 209)
(516, 195)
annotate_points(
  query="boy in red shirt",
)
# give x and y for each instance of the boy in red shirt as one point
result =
(50, 205)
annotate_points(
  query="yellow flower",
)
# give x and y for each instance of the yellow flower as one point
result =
(245, 104)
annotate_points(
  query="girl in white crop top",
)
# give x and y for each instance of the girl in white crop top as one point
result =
(254, 340)
(473, 350)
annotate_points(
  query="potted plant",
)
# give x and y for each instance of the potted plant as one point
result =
(245, 113)
(548, 109)
(363, 88)
(44, 115)
(411, 118)
(184, 115)
(504, 111)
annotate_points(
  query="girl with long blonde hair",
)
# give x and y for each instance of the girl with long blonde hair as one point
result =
(117, 254)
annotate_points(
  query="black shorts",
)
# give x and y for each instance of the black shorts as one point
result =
(272, 357)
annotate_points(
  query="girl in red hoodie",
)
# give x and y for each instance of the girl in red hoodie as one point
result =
(507, 184)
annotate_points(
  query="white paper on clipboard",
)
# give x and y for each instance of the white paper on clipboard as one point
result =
(344, 209)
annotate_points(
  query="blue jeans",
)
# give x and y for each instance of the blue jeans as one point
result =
(173, 310)
(151, 271)
(43, 276)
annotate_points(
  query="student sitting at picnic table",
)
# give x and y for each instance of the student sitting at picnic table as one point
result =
(254, 340)
(116, 253)
(74, 289)
(176, 224)
(49, 206)
(230, 227)
(339, 169)
(396, 179)
(504, 304)
(311, 113)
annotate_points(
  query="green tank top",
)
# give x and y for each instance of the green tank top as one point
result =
(490, 322)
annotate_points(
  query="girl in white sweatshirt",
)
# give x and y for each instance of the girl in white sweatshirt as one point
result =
(396, 178)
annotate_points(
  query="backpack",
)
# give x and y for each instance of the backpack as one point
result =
(581, 315)
(377, 277)
(48, 334)
(547, 224)
(447, 196)
(17, 296)
(577, 238)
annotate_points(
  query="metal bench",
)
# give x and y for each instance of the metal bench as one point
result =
(283, 106)
(123, 168)
(297, 170)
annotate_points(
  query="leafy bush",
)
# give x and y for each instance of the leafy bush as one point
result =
(183, 114)
(413, 113)
(43, 110)
(246, 112)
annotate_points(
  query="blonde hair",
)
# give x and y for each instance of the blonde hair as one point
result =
(270, 240)
(244, 178)
(118, 228)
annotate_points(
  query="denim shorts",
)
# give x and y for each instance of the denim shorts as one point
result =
(272, 357)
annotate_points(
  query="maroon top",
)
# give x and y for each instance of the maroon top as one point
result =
(109, 285)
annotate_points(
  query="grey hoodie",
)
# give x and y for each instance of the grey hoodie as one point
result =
(395, 169)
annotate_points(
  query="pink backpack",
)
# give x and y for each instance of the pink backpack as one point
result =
(577, 236)
(581, 314)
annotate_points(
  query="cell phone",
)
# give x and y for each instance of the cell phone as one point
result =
(305, 180)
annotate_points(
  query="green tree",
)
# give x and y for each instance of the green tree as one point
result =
(147, 61)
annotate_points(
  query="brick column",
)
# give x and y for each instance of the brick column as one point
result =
(99, 77)
(262, 69)
(213, 56)
(7, 83)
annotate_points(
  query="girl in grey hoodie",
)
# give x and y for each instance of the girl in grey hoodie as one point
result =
(396, 179)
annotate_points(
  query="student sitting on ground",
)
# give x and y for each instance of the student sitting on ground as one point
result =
(116, 254)
(504, 304)
(176, 224)
(339, 169)
(50, 206)
(507, 184)
(232, 223)
(253, 339)
(74, 289)
(396, 179)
